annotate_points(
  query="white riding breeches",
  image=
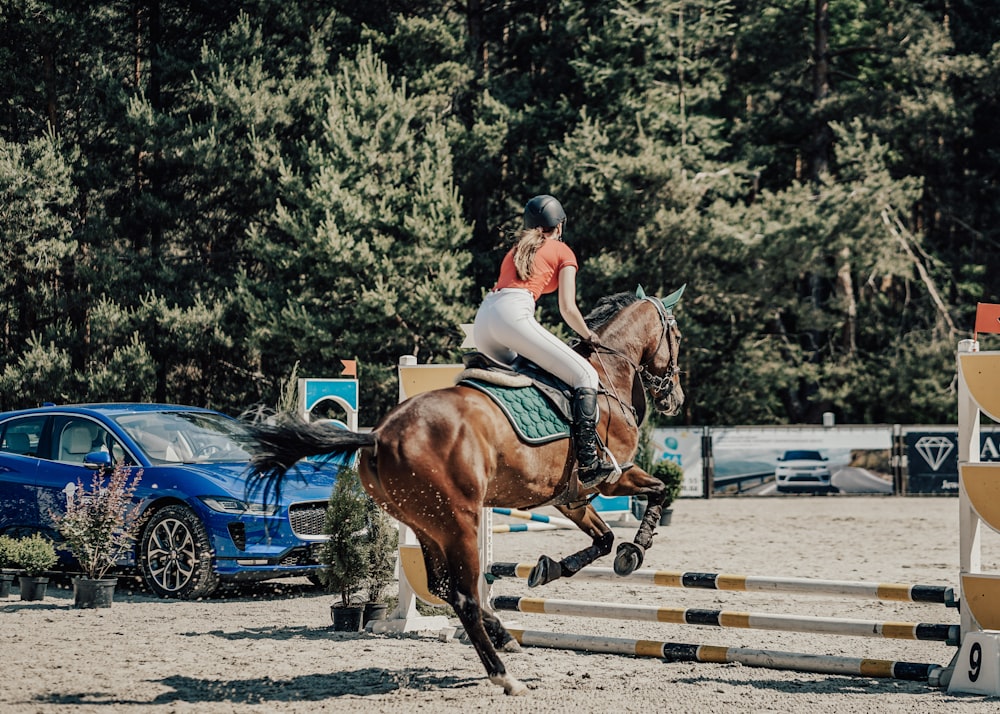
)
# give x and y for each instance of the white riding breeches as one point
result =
(506, 327)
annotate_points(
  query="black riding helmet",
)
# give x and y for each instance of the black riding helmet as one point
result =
(543, 212)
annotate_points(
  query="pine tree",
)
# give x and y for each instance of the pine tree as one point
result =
(364, 256)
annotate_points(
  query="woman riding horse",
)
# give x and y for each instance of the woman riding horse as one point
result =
(437, 459)
(541, 263)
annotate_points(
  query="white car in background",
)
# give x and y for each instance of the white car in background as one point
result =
(803, 471)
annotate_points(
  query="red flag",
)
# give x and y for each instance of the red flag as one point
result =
(351, 366)
(987, 318)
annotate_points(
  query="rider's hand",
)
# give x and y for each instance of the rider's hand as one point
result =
(593, 341)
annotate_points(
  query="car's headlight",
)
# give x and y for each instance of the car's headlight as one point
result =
(225, 504)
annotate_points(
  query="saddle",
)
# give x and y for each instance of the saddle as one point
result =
(538, 404)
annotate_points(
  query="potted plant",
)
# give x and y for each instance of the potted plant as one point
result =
(383, 542)
(100, 525)
(346, 550)
(672, 476)
(34, 556)
(7, 545)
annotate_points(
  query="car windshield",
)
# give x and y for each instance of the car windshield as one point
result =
(185, 437)
(802, 456)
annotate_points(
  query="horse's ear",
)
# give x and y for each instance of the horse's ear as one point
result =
(670, 300)
(640, 293)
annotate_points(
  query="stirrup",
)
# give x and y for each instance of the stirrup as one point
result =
(599, 473)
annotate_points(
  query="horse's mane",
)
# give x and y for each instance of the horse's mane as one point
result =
(607, 307)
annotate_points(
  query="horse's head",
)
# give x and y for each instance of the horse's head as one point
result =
(646, 334)
(659, 371)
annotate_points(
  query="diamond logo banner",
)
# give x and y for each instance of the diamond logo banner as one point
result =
(934, 449)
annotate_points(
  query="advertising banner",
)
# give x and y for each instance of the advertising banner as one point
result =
(683, 447)
(932, 458)
(768, 461)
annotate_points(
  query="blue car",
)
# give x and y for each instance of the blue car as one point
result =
(201, 528)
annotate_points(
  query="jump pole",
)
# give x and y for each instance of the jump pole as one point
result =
(524, 527)
(721, 618)
(898, 592)
(770, 659)
(538, 517)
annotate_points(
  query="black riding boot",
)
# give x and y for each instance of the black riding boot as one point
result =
(592, 469)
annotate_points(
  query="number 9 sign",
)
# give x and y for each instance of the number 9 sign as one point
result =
(977, 667)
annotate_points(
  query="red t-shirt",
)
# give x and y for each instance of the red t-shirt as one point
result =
(551, 257)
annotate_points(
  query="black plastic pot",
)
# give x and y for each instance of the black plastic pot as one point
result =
(374, 611)
(32, 588)
(347, 619)
(90, 593)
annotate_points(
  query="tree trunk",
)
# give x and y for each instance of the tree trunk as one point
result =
(818, 152)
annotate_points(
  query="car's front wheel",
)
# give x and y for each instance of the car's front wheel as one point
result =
(175, 555)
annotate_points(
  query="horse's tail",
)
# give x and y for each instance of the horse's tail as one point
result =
(277, 447)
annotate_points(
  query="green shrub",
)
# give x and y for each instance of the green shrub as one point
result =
(672, 476)
(345, 552)
(7, 547)
(383, 541)
(35, 554)
(360, 551)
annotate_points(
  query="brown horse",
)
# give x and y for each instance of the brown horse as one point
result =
(436, 460)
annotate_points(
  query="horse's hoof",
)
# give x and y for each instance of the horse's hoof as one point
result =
(545, 571)
(511, 686)
(511, 645)
(628, 558)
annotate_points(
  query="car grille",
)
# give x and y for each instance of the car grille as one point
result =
(307, 518)
(299, 556)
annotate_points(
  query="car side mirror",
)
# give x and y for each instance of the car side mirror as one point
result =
(98, 460)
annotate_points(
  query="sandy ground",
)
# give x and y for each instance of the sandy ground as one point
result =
(271, 649)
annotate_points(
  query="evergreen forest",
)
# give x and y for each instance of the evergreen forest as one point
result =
(199, 200)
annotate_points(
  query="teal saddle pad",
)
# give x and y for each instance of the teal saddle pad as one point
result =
(531, 414)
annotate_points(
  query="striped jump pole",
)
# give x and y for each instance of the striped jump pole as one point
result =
(721, 618)
(678, 652)
(555, 521)
(752, 583)
(525, 527)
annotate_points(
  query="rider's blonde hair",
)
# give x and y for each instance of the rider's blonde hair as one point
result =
(528, 243)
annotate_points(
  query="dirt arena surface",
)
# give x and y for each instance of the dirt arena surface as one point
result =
(271, 649)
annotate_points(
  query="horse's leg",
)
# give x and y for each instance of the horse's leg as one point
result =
(635, 481)
(439, 583)
(436, 567)
(483, 629)
(602, 537)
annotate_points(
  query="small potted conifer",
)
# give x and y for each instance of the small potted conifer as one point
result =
(346, 550)
(359, 554)
(383, 542)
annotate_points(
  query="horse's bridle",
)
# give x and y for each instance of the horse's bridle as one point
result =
(654, 383)
(664, 382)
